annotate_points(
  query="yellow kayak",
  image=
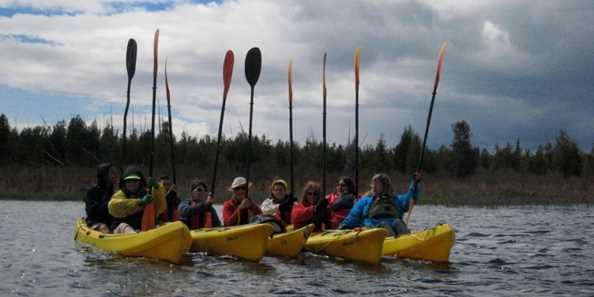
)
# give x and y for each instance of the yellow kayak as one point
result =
(361, 246)
(432, 244)
(246, 241)
(290, 243)
(168, 242)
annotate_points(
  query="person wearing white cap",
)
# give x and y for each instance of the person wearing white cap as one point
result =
(239, 208)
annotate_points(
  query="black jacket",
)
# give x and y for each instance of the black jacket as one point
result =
(98, 197)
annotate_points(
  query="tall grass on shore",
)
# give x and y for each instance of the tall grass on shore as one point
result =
(480, 189)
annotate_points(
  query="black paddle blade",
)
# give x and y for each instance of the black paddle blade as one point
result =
(131, 58)
(253, 65)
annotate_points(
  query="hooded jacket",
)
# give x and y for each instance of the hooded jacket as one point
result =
(98, 197)
(125, 206)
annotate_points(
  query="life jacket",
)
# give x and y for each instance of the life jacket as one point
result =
(201, 219)
(383, 207)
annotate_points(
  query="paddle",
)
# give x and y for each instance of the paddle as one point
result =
(131, 68)
(227, 73)
(356, 62)
(149, 215)
(324, 128)
(171, 141)
(291, 127)
(253, 65)
(435, 84)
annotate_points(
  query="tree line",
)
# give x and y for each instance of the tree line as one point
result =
(84, 144)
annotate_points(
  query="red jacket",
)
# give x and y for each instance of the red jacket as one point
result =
(302, 214)
(233, 216)
(336, 217)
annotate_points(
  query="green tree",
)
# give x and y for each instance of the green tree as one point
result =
(464, 154)
(5, 145)
(566, 155)
(401, 149)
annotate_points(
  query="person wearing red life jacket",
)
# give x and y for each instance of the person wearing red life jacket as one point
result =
(313, 208)
(341, 202)
(240, 208)
(198, 212)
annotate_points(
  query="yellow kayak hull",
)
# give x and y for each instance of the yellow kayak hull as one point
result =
(432, 244)
(168, 242)
(248, 242)
(290, 243)
(362, 246)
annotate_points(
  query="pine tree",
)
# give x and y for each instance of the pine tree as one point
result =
(464, 158)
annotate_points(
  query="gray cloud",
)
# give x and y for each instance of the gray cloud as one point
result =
(513, 69)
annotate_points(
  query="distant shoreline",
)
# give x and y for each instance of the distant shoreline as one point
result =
(485, 189)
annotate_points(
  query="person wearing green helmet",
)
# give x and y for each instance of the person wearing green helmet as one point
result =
(127, 204)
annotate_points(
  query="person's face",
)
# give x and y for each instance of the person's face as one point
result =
(132, 185)
(239, 192)
(377, 186)
(342, 188)
(199, 194)
(279, 192)
(311, 196)
(114, 175)
(166, 184)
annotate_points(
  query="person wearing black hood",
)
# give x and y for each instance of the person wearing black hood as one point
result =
(97, 198)
(127, 204)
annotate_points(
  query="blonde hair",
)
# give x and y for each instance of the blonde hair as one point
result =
(386, 182)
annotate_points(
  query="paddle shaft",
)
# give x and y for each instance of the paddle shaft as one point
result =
(171, 140)
(214, 171)
(124, 139)
(249, 159)
(357, 138)
(291, 179)
(324, 127)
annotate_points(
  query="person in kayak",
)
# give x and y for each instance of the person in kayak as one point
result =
(341, 201)
(381, 208)
(239, 209)
(198, 211)
(279, 204)
(313, 208)
(127, 204)
(170, 214)
(97, 198)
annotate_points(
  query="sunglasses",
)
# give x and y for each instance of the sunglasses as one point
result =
(199, 190)
(310, 193)
(342, 184)
(240, 189)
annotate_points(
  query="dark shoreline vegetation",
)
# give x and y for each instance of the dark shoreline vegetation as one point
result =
(58, 163)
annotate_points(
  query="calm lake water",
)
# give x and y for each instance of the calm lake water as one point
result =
(519, 251)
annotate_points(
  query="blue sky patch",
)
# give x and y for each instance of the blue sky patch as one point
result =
(27, 39)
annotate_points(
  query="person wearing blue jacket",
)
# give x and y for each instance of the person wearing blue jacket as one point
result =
(381, 207)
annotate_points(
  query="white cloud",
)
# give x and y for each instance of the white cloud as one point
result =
(399, 42)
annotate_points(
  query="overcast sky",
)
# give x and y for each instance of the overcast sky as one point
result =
(513, 69)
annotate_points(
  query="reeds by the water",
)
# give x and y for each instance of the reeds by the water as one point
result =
(481, 189)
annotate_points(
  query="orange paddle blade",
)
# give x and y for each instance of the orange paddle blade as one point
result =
(156, 51)
(290, 81)
(148, 217)
(439, 64)
(356, 62)
(167, 82)
(228, 71)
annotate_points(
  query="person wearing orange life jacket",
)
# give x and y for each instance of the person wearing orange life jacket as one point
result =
(341, 202)
(198, 212)
(313, 208)
(127, 204)
(171, 214)
(239, 209)
(279, 204)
